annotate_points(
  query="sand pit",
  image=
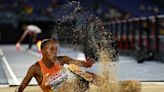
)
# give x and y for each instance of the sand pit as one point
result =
(145, 88)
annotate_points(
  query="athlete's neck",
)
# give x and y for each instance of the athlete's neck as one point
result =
(49, 63)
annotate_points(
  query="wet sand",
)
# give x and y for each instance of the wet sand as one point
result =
(145, 88)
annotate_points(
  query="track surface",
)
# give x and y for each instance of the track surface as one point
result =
(15, 63)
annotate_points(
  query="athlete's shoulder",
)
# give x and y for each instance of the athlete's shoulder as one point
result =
(35, 67)
(64, 59)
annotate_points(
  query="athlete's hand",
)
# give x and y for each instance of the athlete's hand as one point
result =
(17, 46)
(89, 62)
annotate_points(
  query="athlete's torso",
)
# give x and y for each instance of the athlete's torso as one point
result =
(42, 74)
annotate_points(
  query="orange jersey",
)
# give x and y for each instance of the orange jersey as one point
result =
(50, 76)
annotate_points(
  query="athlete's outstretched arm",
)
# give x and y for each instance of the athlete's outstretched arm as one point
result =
(67, 60)
(27, 79)
(23, 36)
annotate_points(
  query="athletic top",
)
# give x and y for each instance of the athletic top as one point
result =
(52, 77)
(33, 28)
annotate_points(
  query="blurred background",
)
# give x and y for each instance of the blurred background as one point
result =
(136, 25)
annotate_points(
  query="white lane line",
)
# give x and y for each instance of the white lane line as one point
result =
(156, 83)
(2, 86)
(9, 70)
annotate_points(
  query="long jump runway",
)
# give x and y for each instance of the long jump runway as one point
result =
(14, 64)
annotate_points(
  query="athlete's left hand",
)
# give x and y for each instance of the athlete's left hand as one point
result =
(89, 62)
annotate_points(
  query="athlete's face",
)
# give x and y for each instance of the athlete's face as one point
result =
(50, 50)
